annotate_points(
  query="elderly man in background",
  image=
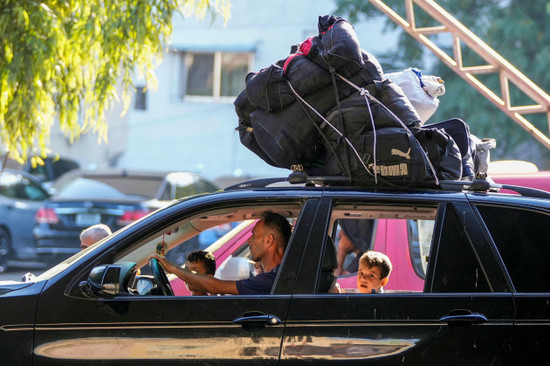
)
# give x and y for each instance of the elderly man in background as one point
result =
(93, 234)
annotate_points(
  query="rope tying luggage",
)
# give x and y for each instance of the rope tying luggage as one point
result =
(331, 126)
(368, 96)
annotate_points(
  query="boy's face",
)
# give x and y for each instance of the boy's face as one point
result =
(197, 267)
(368, 279)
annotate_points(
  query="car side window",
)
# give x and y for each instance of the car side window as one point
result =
(205, 186)
(230, 255)
(8, 190)
(455, 267)
(521, 236)
(402, 233)
(30, 191)
(185, 190)
(166, 193)
(21, 188)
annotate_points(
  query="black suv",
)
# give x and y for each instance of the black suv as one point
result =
(484, 297)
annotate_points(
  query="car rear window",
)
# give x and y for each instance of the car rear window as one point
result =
(521, 236)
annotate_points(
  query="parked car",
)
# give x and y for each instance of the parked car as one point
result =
(53, 168)
(538, 180)
(483, 294)
(20, 197)
(114, 197)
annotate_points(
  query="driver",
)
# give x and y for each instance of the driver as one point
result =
(267, 246)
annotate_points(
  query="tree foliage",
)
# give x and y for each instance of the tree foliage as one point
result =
(518, 30)
(67, 59)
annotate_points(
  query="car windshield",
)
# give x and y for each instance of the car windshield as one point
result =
(55, 270)
(109, 187)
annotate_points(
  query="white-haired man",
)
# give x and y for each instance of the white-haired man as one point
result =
(93, 234)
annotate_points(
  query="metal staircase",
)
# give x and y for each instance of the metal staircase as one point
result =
(495, 63)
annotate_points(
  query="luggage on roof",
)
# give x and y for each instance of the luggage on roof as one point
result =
(328, 109)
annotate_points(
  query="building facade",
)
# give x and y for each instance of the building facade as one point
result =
(188, 123)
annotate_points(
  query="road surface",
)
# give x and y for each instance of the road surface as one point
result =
(17, 269)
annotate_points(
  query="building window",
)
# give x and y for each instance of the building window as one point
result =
(141, 98)
(214, 74)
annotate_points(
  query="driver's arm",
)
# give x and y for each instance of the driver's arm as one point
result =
(203, 282)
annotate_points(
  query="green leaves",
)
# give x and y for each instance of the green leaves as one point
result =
(68, 60)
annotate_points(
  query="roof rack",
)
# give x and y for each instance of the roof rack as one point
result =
(484, 185)
(478, 185)
(293, 178)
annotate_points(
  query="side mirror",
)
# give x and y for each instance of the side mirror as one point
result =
(106, 280)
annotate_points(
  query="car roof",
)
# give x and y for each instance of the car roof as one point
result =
(23, 174)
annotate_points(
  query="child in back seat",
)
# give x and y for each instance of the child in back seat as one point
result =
(374, 272)
(201, 262)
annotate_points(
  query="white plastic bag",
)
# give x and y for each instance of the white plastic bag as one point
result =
(422, 90)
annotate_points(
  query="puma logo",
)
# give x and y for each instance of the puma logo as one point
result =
(397, 152)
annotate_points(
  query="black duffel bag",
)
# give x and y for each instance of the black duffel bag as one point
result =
(390, 154)
(442, 151)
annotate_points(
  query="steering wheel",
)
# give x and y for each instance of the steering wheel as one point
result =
(160, 277)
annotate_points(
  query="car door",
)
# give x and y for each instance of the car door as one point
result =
(234, 329)
(463, 316)
(521, 235)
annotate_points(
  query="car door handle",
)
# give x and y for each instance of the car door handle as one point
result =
(256, 321)
(464, 319)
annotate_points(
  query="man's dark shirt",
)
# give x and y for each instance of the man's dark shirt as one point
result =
(259, 285)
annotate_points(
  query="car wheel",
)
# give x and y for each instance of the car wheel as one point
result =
(5, 245)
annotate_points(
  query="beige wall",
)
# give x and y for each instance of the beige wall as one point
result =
(90, 152)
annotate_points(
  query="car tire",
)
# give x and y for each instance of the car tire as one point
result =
(5, 246)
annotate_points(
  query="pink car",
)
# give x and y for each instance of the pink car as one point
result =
(538, 180)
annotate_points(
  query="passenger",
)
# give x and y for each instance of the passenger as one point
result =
(267, 245)
(374, 272)
(201, 262)
(93, 234)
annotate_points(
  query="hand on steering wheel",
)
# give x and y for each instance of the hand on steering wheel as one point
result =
(160, 277)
